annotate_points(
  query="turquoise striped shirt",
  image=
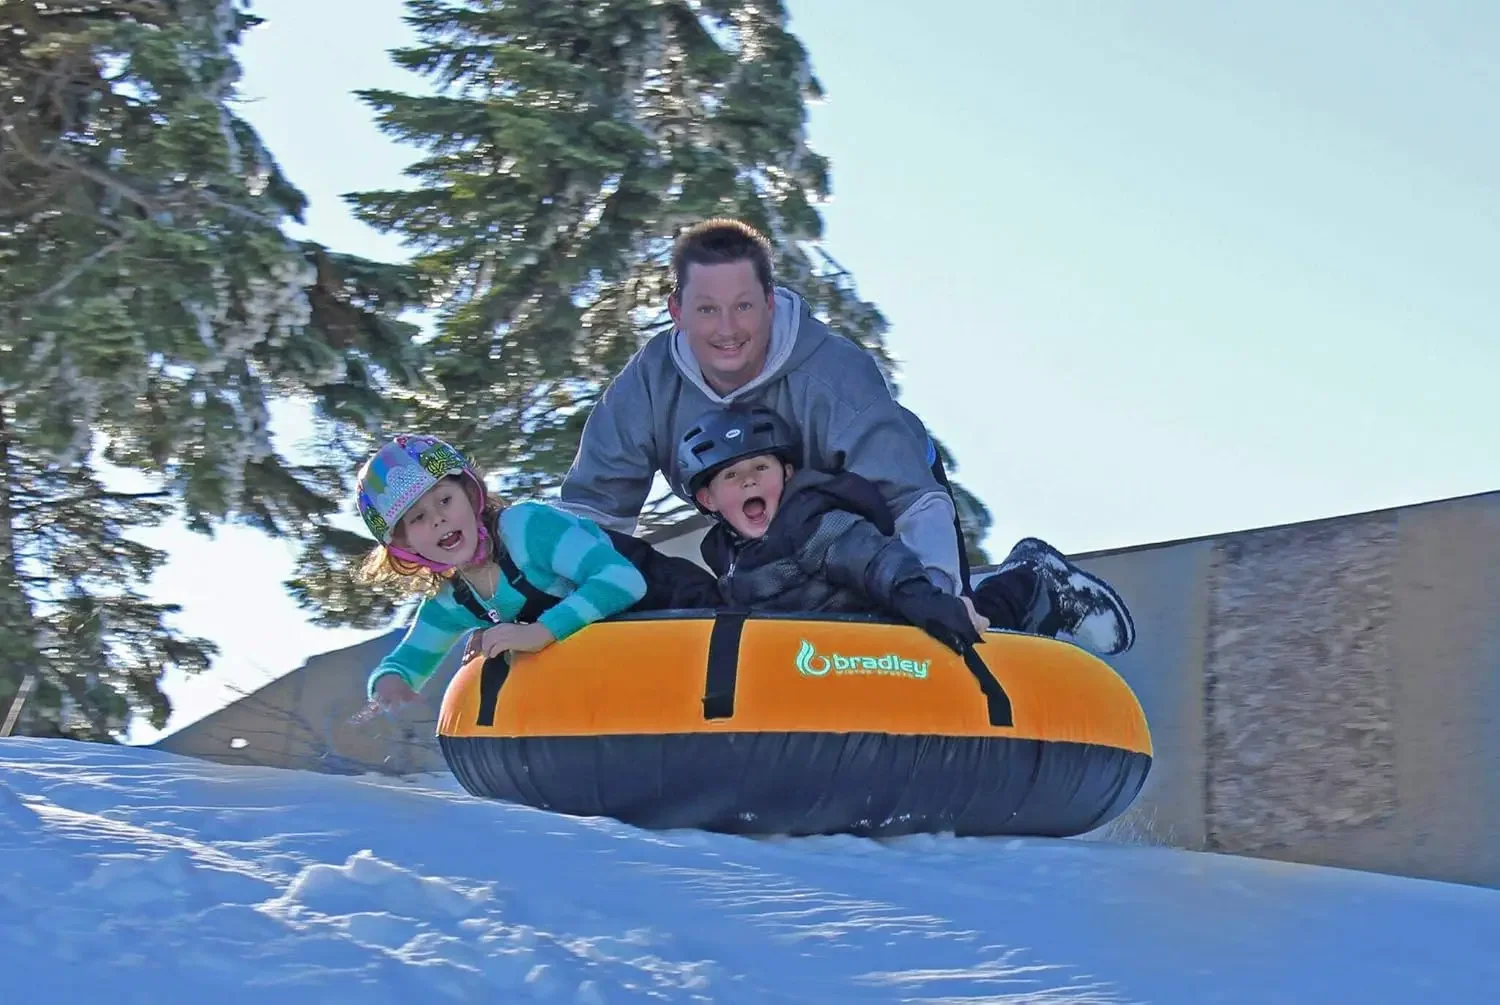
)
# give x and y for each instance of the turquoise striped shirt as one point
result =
(562, 554)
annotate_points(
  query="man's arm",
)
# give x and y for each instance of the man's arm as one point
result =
(612, 471)
(878, 439)
(927, 529)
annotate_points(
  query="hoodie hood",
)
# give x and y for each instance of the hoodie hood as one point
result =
(791, 342)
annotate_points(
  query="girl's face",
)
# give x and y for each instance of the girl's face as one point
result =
(442, 526)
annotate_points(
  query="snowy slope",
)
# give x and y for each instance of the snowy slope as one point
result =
(128, 875)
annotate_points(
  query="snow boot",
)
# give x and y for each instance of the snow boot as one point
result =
(1038, 591)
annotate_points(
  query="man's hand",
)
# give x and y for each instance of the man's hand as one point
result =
(515, 638)
(981, 623)
(937, 613)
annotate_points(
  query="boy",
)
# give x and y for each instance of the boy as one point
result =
(806, 540)
(809, 540)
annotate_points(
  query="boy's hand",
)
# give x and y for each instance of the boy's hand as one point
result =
(515, 638)
(391, 692)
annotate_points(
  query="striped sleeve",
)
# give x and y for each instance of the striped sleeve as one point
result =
(437, 626)
(549, 540)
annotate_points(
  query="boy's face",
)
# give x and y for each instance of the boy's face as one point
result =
(442, 525)
(747, 493)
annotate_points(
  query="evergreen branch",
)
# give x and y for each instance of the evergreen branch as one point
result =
(56, 159)
(228, 207)
(145, 11)
(74, 274)
(152, 206)
(10, 208)
(92, 497)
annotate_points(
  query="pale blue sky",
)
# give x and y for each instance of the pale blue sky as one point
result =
(1151, 273)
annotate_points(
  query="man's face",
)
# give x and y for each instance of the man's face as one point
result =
(727, 318)
(747, 493)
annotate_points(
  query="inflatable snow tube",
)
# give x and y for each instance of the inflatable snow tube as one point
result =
(801, 724)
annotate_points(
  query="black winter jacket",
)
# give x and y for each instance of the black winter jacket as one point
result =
(671, 583)
(830, 547)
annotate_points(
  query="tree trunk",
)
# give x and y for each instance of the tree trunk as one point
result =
(19, 659)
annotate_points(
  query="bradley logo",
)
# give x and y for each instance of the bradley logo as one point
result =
(811, 663)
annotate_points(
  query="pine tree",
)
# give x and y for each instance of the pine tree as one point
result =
(568, 142)
(152, 308)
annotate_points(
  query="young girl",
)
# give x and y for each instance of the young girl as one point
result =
(434, 519)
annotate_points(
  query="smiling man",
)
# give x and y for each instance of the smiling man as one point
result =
(741, 339)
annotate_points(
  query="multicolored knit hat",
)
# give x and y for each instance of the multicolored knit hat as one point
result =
(399, 474)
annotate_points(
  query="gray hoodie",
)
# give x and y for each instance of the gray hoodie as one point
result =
(826, 386)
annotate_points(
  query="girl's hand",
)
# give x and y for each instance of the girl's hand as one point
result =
(391, 692)
(516, 638)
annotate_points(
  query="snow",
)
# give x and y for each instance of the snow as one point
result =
(130, 875)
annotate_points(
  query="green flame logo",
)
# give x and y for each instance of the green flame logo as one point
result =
(809, 663)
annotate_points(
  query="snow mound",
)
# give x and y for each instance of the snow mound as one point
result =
(15, 813)
(129, 875)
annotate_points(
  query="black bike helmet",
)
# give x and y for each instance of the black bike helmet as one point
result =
(726, 435)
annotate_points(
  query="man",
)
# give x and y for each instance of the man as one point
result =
(740, 338)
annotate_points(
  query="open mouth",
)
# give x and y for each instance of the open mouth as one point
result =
(754, 509)
(729, 347)
(451, 540)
